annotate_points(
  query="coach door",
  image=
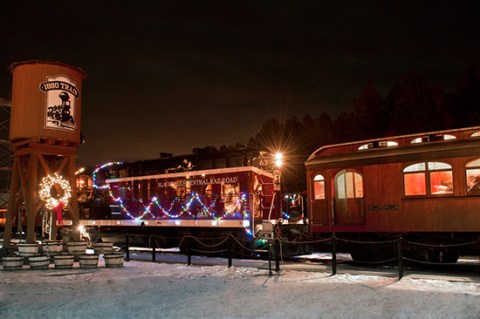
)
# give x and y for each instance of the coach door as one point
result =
(348, 200)
(319, 208)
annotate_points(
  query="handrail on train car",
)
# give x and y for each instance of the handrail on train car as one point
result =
(271, 206)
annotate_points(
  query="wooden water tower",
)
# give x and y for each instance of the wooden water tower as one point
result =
(45, 133)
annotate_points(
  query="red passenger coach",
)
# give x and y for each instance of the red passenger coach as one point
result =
(423, 186)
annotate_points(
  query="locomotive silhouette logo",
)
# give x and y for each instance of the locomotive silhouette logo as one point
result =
(61, 94)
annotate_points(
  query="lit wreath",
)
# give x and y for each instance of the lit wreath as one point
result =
(46, 187)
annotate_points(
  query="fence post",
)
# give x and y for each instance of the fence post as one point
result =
(277, 254)
(400, 258)
(229, 258)
(334, 254)
(189, 257)
(269, 257)
(127, 243)
(154, 254)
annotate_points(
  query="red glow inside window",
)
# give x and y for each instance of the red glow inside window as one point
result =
(415, 184)
(441, 182)
(319, 187)
(319, 190)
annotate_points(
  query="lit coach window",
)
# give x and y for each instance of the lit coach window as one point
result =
(433, 138)
(349, 184)
(473, 177)
(319, 187)
(431, 178)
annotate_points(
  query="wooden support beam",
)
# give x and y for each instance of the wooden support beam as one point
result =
(73, 201)
(23, 183)
(11, 204)
(44, 165)
(32, 197)
(62, 165)
(46, 149)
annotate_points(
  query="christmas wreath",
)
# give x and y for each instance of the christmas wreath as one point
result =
(62, 197)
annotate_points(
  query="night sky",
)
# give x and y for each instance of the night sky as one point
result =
(168, 76)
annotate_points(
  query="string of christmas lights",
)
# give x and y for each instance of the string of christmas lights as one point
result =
(239, 210)
(98, 169)
(177, 209)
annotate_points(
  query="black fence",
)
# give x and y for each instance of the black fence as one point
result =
(231, 247)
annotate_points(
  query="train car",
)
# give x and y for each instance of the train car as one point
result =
(203, 195)
(424, 187)
(228, 197)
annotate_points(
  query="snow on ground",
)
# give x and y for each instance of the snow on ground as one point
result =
(164, 290)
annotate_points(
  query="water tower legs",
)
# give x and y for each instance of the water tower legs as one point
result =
(32, 162)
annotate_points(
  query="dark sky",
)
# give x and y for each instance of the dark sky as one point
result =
(168, 76)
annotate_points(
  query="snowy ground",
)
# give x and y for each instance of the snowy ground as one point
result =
(170, 290)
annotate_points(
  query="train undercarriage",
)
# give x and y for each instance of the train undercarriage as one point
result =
(441, 248)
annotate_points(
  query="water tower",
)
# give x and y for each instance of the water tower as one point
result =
(45, 134)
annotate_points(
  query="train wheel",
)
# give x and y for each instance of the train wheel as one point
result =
(433, 255)
(444, 255)
(369, 252)
(364, 251)
(365, 254)
(307, 249)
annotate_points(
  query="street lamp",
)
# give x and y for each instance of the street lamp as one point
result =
(277, 172)
(278, 159)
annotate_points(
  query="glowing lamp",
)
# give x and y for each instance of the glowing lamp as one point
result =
(278, 159)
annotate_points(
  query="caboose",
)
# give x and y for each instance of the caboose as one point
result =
(424, 187)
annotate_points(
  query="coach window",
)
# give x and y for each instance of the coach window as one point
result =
(137, 189)
(124, 189)
(349, 184)
(432, 178)
(319, 187)
(473, 177)
(433, 138)
(378, 144)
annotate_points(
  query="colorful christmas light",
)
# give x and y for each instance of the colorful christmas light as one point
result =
(94, 174)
